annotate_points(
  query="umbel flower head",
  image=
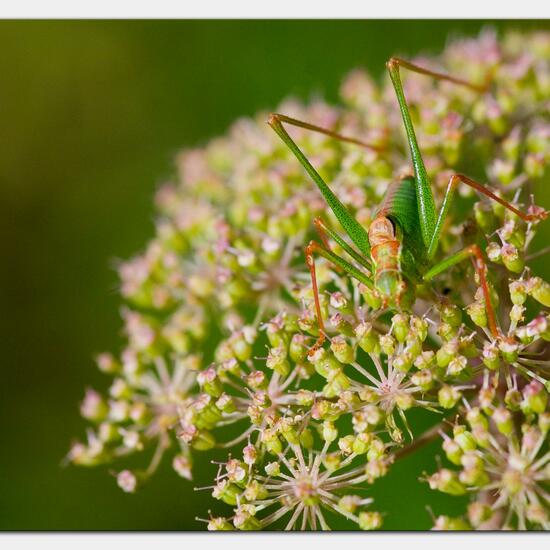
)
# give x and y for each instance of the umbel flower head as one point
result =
(221, 325)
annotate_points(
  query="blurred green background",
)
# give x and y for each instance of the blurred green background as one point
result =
(92, 114)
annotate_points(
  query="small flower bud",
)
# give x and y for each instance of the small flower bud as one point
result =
(369, 521)
(448, 396)
(366, 337)
(479, 513)
(277, 361)
(446, 481)
(535, 397)
(477, 312)
(329, 432)
(450, 314)
(298, 349)
(494, 253)
(387, 343)
(518, 292)
(182, 465)
(127, 481)
(509, 349)
(503, 420)
(539, 290)
(446, 353)
(511, 258)
(452, 450)
(400, 326)
(342, 350)
(209, 382)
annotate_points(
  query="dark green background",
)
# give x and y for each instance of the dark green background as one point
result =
(91, 115)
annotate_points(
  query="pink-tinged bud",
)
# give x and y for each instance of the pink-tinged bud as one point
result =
(518, 292)
(182, 465)
(250, 454)
(108, 364)
(509, 349)
(512, 259)
(494, 253)
(503, 420)
(479, 513)
(93, 406)
(127, 481)
(535, 397)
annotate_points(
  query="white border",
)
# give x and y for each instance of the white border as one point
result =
(275, 541)
(268, 9)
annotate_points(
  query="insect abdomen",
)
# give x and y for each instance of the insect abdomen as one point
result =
(385, 252)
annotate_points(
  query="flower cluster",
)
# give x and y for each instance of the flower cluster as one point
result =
(221, 321)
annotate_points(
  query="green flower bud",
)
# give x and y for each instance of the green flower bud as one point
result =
(424, 379)
(367, 338)
(400, 326)
(518, 292)
(535, 397)
(362, 442)
(271, 441)
(219, 524)
(509, 349)
(511, 259)
(446, 523)
(245, 521)
(273, 469)
(387, 343)
(371, 296)
(477, 312)
(451, 314)
(369, 521)
(277, 361)
(425, 360)
(342, 350)
(446, 353)
(453, 451)
(298, 349)
(494, 253)
(539, 290)
(376, 450)
(448, 397)
(209, 382)
(457, 365)
(503, 420)
(447, 481)
(329, 431)
(464, 438)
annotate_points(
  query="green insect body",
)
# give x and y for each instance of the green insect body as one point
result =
(397, 252)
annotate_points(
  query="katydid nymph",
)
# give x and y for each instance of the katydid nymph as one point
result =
(397, 251)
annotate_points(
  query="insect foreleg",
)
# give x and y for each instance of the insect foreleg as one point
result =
(473, 251)
(447, 199)
(352, 271)
(324, 230)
